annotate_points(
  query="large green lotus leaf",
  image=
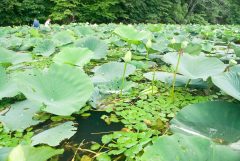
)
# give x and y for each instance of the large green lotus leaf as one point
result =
(83, 31)
(180, 79)
(20, 116)
(54, 136)
(29, 43)
(13, 42)
(8, 56)
(143, 65)
(62, 89)
(3, 42)
(28, 153)
(7, 87)
(195, 67)
(187, 148)
(45, 48)
(207, 46)
(62, 38)
(193, 49)
(228, 82)
(161, 46)
(74, 56)
(115, 87)
(130, 34)
(236, 49)
(235, 68)
(111, 71)
(217, 120)
(97, 46)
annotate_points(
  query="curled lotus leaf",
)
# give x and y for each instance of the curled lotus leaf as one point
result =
(195, 67)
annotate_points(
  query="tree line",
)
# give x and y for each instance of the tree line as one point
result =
(21, 12)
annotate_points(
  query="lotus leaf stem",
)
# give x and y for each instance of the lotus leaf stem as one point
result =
(188, 82)
(123, 78)
(153, 78)
(175, 74)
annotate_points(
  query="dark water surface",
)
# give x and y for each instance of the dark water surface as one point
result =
(86, 128)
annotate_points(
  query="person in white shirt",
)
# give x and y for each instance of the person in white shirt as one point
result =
(47, 23)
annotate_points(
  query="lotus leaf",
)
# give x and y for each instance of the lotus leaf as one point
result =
(14, 42)
(236, 49)
(97, 46)
(62, 38)
(208, 47)
(195, 67)
(111, 71)
(193, 49)
(235, 68)
(217, 120)
(8, 56)
(55, 135)
(83, 31)
(28, 153)
(186, 148)
(62, 89)
(228, 82)
(74, 56)
(180, 79)
(45, 48)
(20, 116)
(7, 87)
(115, 87)
(29, 43)
(130, 34)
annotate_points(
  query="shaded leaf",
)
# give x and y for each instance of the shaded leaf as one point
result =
(55, 135)
(216, 120)
(228, 82)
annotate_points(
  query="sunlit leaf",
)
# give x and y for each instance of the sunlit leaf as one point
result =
(28, 153)
(97, 46)
(111, 71)
(182, 148)
(8, 56)
(195, 67)
(62, 89)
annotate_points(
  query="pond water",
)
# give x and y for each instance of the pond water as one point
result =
(90, 129)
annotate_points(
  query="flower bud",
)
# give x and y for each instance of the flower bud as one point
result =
(149, 43)
(232, 62)
(128, 57)
(184, 44)
(173, 41)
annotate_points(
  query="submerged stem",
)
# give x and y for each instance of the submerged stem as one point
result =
(123, 78)
(175, 74)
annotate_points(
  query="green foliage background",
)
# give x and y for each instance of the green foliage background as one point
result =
(19, 12)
